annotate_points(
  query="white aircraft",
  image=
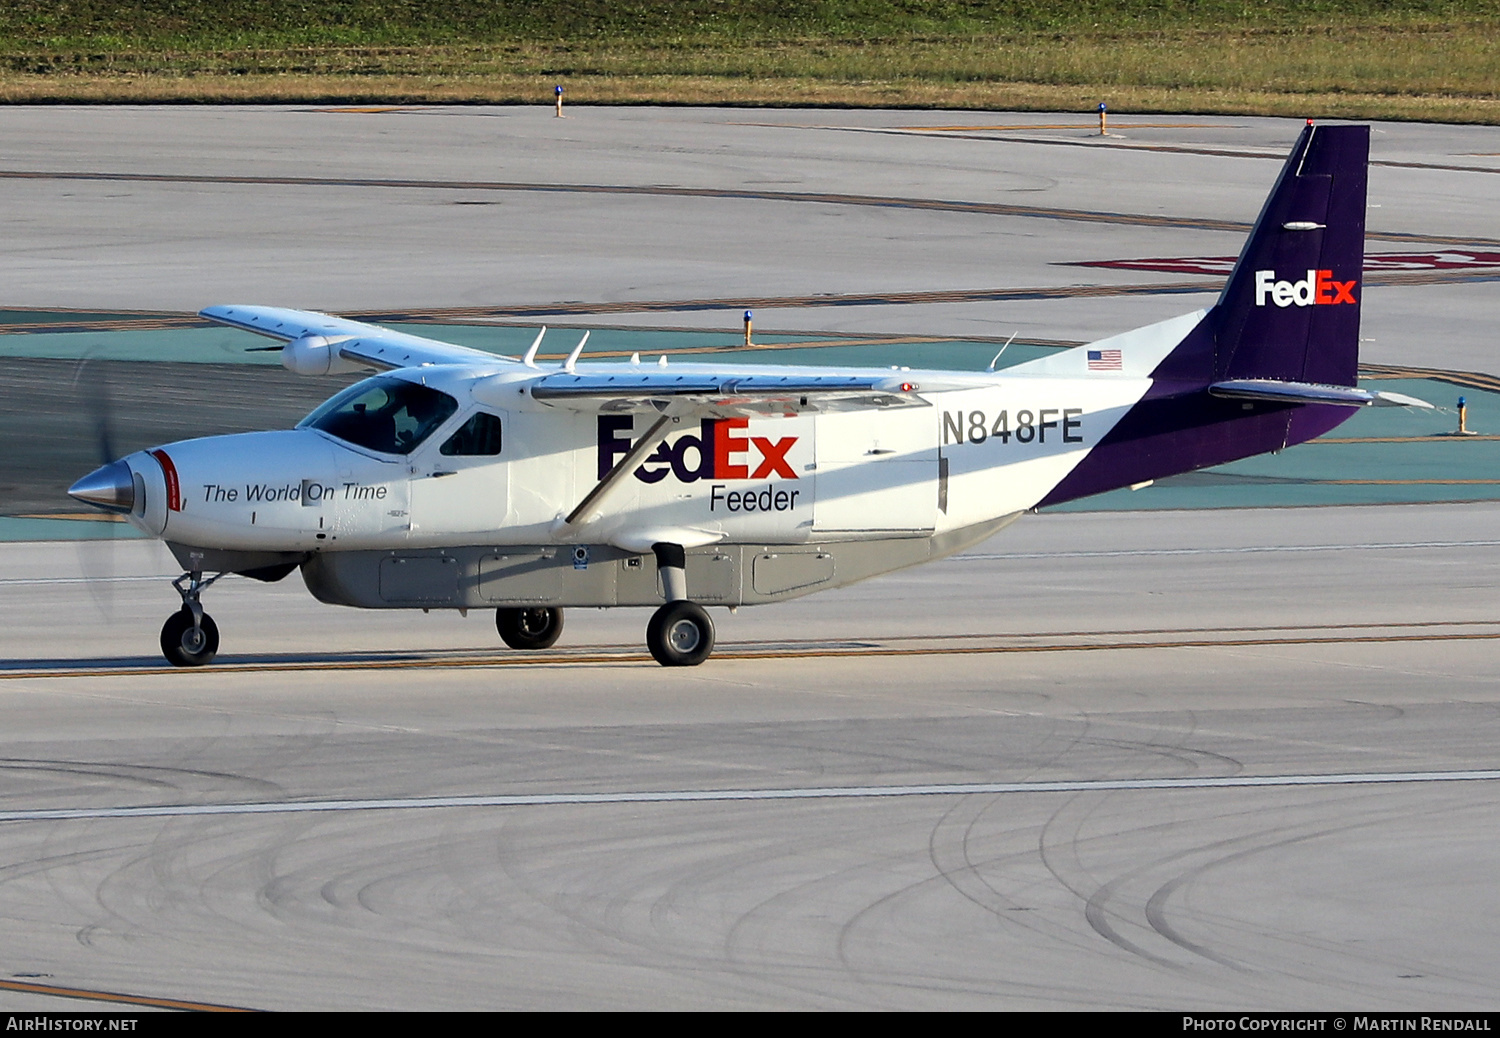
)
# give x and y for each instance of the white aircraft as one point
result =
(456, 479)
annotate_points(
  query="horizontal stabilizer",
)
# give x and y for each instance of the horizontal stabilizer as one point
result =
(1274, 391)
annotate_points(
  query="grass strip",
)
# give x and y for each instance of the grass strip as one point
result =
(1437, 60)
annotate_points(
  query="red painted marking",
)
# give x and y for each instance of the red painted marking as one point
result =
(725, 445)
(775, 462)
(169, 470)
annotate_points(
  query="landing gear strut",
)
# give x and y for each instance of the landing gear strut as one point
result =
(190, 638)
(534, 627)
(680, 633)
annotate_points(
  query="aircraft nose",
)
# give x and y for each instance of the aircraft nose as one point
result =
(111, 488)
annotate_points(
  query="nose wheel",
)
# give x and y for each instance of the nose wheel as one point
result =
(190, 638)
(186, 643)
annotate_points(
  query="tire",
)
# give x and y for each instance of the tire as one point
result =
(534, 627)
(185, 647)
(680, 634)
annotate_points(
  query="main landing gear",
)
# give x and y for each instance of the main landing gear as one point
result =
(680, 633)
(190, 638)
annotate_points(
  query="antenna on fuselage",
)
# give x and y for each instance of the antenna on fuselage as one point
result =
(573, 357)
(530, 359)
(996, 359)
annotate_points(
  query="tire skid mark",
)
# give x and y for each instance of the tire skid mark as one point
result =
(1168, 739)
(1369, 811)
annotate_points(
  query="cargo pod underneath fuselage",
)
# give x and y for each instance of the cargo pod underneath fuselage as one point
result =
(480, 576)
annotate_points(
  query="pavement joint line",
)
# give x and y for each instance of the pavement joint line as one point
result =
(1096, 140)
(1056, 126)
(825, 198)
(460, 315)
(782, 652)
(748, 794)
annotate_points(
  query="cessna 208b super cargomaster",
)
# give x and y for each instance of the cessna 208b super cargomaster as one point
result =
(458, 479)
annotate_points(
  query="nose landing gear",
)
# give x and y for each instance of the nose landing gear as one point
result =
(190, 638)
(186, 643)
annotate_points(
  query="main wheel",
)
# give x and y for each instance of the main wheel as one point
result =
(680, 634)
(535, 627)
(185, 645)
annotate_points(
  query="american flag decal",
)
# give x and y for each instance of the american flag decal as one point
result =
(1104, 360)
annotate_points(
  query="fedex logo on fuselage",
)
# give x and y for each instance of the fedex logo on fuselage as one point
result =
(716, 452)
(1317, 289)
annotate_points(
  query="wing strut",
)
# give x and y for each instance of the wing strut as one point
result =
(645, 445)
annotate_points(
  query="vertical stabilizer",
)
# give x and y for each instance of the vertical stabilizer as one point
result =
(1290, 310)
(1288, 315)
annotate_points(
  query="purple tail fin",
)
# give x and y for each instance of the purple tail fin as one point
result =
(1288, 315)
(1291, 308)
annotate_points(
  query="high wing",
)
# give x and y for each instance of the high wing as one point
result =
(712, 395)
(321, 344)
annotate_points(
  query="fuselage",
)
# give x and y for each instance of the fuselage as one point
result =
(982, 446)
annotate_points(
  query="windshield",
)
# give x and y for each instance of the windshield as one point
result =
(385, 414)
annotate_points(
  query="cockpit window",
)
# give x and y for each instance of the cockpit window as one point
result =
(479, 436)
(385, 414)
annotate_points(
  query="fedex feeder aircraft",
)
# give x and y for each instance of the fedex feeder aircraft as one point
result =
(455, 479)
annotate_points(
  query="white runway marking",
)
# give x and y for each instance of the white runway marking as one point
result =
(14, 581)
(1125, 552)
(691, 795)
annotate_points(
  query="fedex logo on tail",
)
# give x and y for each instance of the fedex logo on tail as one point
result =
(720, 450)
(1317, 289)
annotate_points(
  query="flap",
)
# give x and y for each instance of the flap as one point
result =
(724, 395)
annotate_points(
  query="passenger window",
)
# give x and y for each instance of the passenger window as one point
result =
(479, 436)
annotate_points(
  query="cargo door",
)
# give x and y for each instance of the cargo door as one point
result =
(876, 471)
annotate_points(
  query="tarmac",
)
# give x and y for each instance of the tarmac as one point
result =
(1226, 742)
